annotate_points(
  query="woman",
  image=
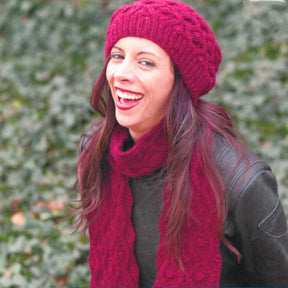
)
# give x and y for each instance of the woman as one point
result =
(171, 198)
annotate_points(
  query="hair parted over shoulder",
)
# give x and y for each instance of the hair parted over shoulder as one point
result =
(191, 124)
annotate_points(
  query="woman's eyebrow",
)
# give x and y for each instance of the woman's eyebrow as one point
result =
(117, 48)
(139, 53)
(147, 52)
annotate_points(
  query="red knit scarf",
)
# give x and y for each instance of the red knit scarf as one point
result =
(112, 261)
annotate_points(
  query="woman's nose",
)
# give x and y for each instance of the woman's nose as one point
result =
(125, 71)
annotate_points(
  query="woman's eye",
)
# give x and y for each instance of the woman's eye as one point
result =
(147, 63)
(116, 56)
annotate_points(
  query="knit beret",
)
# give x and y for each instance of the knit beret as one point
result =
(179, 30)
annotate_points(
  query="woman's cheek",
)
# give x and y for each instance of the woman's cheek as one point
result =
(108, 73)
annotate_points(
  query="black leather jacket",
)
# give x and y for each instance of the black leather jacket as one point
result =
(256, 223)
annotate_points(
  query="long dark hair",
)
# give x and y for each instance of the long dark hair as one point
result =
(186, 126)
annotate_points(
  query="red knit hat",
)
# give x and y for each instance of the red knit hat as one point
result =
(179, 30)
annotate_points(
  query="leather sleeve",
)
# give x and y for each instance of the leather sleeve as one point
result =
(261, 231)
(256, 224)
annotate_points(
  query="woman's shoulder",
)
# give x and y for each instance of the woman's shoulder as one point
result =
(92, 130)
(239, 167)
(236, 157)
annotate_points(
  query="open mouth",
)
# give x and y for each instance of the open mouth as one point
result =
(128, 96)
(127, 100)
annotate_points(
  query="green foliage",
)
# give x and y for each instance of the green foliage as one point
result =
(50, 54)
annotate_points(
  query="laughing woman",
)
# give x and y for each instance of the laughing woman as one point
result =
(170, 196)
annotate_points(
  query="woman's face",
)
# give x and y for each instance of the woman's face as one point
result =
(141, 77)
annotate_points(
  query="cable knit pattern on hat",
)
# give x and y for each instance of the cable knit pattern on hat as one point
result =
(179, 30)
(112, 260)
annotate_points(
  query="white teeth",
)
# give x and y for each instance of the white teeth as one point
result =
(128, 96)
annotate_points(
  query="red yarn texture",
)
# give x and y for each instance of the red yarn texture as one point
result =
(180, 31)
(112, 261)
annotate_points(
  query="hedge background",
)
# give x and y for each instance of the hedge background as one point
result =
(50, 54)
